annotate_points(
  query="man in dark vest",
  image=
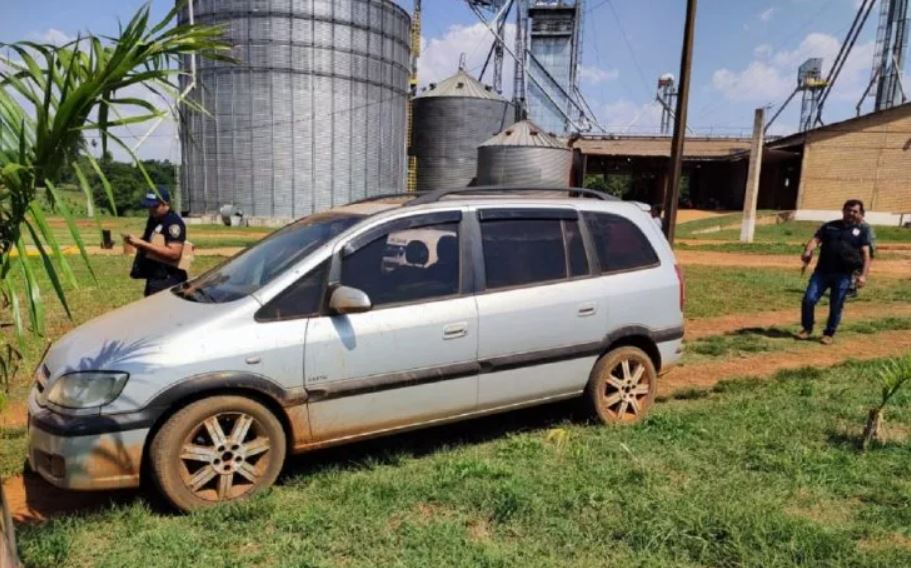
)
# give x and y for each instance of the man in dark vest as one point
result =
(161, 246)
(845, 249)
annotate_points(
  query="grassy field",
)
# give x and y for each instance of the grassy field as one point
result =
(752, 474)
(749, 341)
(793, 231)
(202, 236)
(715, 291)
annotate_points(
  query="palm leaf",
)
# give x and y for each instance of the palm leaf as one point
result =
(49, 268)
(33, 291)
(71, 226)
(49, 97)
(48, 236)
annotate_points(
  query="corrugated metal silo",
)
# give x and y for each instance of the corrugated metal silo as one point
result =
(312, 116)
(524, 155)
(450, 120)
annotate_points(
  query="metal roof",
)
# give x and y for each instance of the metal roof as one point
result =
(660, 146)
(460, 85)
(843, 126)
(525, 133)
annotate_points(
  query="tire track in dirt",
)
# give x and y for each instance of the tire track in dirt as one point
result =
(707, 374)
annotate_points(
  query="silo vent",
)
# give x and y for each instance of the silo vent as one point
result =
(460, 85)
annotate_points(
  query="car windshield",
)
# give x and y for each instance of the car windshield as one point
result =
(263, 262)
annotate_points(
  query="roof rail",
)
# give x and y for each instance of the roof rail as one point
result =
(385, 196)
(434, 196)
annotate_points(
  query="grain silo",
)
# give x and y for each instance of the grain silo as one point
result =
(312, 115)
(524, 155)
(451, 119)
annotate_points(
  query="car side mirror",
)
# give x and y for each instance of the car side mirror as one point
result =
(347, 300)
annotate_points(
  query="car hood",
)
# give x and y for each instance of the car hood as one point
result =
(120, 338)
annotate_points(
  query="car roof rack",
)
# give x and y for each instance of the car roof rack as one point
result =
(382, 196)
(434, 196)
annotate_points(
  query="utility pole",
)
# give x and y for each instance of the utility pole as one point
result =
(748, 227)
(672, 193)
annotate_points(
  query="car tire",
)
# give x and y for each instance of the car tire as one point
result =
(215, 450)
(622, 386)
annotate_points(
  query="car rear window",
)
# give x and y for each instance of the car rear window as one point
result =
(518, 252)
(619, 243)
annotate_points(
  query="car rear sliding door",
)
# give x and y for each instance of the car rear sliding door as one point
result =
(541, 314)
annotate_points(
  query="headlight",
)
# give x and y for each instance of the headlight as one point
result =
(86, 390)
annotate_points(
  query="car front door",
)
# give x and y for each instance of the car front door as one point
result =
(542, 315)
(410, 359)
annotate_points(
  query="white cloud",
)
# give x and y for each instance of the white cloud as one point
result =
(759, 82)
(772, 75)
(52, 36)
(763, 51)
(440, 55)
(624, 116)
(596, 75)
(767, 15)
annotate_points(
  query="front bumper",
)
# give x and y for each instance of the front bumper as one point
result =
(107, 460)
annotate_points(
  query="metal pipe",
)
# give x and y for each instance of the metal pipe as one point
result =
(780, 110)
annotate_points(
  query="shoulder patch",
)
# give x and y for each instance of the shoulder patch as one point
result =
(174, 230)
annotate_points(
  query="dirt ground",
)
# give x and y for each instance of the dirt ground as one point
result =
(706, 375)
(33, 500)
(886, 268)
(685, 215)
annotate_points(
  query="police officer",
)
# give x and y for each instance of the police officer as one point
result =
(161, 246)
(845, 249)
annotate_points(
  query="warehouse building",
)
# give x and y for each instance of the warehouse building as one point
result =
(867, 157)
(811, 173)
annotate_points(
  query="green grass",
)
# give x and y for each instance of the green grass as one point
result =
(752, 474)
(202, 236)
(792, 231)
(768, 248)
(714, 291)
(750, 341)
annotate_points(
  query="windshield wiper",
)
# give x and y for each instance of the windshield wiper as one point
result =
(187, 292)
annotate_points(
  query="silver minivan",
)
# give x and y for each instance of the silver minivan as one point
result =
(383, 315)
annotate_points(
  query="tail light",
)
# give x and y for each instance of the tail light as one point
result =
(682, 286)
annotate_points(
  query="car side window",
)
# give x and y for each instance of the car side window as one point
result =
(406, 266)
(619, 243)
(301, 299)
(518, 252)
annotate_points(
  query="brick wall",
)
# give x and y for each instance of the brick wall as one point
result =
(867, 159)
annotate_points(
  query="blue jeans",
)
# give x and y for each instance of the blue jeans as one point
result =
(838, 285)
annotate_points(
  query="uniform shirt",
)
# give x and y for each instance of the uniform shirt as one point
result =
(172, 228)
(834, 235)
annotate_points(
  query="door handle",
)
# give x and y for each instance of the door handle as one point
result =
(455, 330)
(586, 310)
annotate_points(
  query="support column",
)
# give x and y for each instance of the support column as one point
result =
(748, 228)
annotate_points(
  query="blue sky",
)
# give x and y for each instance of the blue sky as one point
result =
(746, 53)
